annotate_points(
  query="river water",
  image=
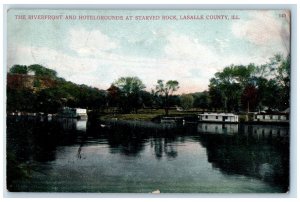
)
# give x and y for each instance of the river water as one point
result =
(72, 156)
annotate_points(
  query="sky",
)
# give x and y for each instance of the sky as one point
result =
(97, 52)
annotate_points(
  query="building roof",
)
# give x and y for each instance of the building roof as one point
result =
(218, 114)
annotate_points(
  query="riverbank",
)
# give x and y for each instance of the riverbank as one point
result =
(146, 115)
(189, 116)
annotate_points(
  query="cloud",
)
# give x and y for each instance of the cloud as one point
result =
(105, 69)
(263, 29)
(184, 58)
(222, 44)
(182, 47)
(90, 43)
(67, 66)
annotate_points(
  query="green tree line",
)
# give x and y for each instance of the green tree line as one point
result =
(252, 87)
(235, 88)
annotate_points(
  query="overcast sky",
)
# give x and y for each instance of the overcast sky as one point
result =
(98, 52)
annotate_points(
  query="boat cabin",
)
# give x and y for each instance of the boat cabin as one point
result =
(68, 112)
(280, 117)
(218, 117)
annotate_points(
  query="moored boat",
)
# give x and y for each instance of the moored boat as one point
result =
(67, 112)
(218, 117)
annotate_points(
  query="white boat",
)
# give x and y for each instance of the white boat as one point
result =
(271, 118)
(67, 112)
(218, 117)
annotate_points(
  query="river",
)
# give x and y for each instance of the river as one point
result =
(70, 155)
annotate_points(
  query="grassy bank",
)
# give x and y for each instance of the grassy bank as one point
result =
(148, 115)
(144, 115)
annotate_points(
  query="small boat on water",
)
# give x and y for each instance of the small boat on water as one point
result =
(67, 112)
(218, 117)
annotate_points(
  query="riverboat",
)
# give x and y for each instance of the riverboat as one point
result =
(218, 117)
(271, 118)
(67, 112)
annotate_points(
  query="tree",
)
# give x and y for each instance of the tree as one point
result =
(49, 100)
(273, 82)
(271, 95)
(131, 88)
(113, 96)
(19, 69)
(20, 100)
(202, 100)
(147, 99)
(186, 101)
(218, 100)
(283, 75)
(249, 98)
(43, 91)
(166, 90)
(229, 85)
(40, 70)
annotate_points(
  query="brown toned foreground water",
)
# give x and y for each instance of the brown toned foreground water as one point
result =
(72, 156)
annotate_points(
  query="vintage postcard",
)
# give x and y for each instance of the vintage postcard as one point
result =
(148, 101)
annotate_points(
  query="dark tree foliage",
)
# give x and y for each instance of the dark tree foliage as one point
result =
(20, 100)
(130, 93)
(113, 96)
(249, 98)
(202, 100)
(19, 69)
(251, 87)
(166, 90)
(39, 70)
(47, 92)
(35, 88)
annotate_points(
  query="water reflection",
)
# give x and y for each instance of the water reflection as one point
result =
(218, 128)
(69, 124)
(262, 131)
(262, 157)
(164, 146)
(234, 129)
(257, 151)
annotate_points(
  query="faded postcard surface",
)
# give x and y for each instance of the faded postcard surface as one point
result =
(148, 101)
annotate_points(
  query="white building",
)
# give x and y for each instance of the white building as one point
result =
(68, 112)
(271, 117)
(218, 117)
(82, 113)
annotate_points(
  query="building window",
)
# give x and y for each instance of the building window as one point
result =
(216, 117)
(206, 117)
